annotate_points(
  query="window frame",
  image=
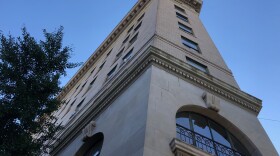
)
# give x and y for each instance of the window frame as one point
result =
(185, 28)
(197, 64)
(179, 8)
(184, 39)
(182, 17)
(230, 136)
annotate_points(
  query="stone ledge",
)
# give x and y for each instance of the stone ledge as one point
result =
(180, 148)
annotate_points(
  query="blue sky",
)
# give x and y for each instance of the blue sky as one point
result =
(246, 33)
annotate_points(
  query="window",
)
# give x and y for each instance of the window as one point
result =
(69, 108)
(137, 27)
(127, 56)
(185, 28)
(109, 53)
(129, 30)
(77, 108)
(92, 71)
(81, 88)
(197, 65)
(76, 89)
(207, 135)
(92, 82)
(90, 85)
(79, 105)
(140, 18)
(179, 9)
(182, 17)
(125, 40)
(92, 146)
(101, 66)
(133, 39)
(111, 73)
(119, 54)
(190, 44)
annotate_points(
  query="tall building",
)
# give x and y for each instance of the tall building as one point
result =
(158, 86)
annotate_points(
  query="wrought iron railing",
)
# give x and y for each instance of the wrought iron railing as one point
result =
(204, 143)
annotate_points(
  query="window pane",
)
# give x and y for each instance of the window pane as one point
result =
(182, 17)
(183, 120)
(185, 28)
(183, 128)
(202, 141)
(219, 134)
(200, 125)
(190, 44)
(127, 56)
(197, 65)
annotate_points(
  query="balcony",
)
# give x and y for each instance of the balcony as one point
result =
(200, 145)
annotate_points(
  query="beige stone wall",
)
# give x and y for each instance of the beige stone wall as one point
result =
(123, 123)
(168, 94)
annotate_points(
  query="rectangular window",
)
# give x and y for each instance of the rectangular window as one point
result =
(182, 17)
(92, 82)
(133, 39)
(140, 18)
(89, 86)
(101, 66)
(125, 40)
(179, 9)
(127, 56)
(111, 73)
(109, 52)
(92, 71)
(119, 54)
(79, 105)
(197, 65)
(137, 27)
(129, 30)
(190, 44)
(185, 28)
(81, 89)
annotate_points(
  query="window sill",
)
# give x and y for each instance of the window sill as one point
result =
(180, 148)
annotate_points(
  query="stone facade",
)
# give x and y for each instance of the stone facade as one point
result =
(135, 83)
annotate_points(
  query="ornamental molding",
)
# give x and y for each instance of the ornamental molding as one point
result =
(212, 102)
(138, 7)
(88, 131)
(195, 4)
(129, 73)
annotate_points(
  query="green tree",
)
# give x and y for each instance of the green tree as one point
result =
(29, 83)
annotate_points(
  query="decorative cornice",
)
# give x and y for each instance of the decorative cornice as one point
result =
(195, 4)
(126, 76)
(104, 46)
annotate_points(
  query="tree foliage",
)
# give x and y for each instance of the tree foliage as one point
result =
(29, 83)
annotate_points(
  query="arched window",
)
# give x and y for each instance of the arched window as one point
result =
(209, 136)
(92, 146)
(95, 149)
